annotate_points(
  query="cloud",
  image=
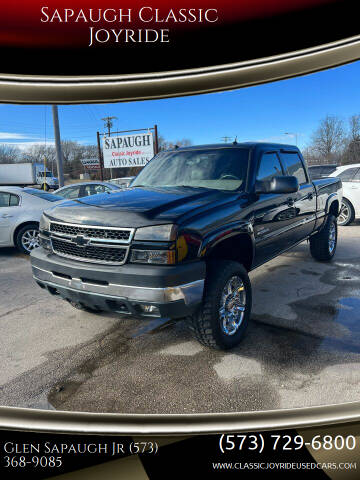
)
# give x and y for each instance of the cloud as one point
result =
(17, 136)
(26, 145)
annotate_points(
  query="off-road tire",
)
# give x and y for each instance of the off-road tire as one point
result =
(351, 213)
(205, 324)
(19, 236)
(320, 244)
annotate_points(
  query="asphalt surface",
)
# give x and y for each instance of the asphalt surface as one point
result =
(302, 347)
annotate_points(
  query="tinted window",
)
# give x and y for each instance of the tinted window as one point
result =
(8, 200)
(50, 197)
(294, 166)
(348, 174)
(70, 192)
(269, 167)
(314, 172)
(14, 200)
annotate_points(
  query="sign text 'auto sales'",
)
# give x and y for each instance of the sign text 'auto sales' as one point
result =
(128, 150)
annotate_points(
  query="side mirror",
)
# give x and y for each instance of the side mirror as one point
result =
(281, 184)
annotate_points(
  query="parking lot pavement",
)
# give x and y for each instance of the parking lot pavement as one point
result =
(302, 347)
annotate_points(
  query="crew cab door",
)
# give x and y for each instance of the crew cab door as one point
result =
(273, 214)
(303, 202)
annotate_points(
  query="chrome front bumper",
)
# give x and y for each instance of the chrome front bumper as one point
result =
(190, 293)
(167, 291)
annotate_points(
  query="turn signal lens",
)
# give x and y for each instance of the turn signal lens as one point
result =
(161, 257)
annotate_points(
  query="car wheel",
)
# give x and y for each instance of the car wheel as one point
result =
(222, 320)
(323, 244)
(27, 238)
(347, 213)
(45, 187)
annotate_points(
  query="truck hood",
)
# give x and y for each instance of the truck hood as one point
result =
(139, 206)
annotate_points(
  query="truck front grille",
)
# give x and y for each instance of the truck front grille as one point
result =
(121, 235)
(90, 253)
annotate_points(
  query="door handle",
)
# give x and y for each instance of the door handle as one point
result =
(6, 215)
(290, 202)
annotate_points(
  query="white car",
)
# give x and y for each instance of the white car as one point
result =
(84, 189)
(350, 206)
(20, 212)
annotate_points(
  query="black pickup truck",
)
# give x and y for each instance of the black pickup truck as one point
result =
(180, 241)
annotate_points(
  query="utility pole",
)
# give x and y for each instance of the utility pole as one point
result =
(108, 124)
(293, 134)
(101, 161)
(59, 156)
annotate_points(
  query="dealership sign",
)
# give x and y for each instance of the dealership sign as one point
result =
(128, 150)
(90, 163)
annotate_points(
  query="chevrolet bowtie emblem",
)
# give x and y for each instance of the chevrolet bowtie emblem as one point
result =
(81, 241)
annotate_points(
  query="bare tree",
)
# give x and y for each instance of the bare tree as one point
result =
(329, 138)
(354, 123)
(168, 144)
(352, 150)
(311, 157)
(36, 153)
(9, 153)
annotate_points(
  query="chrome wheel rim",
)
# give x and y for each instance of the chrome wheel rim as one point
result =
(332, 237)
(232, 305)
(344, 214)
(30, 240)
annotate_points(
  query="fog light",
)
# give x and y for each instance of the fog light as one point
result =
(149, 309)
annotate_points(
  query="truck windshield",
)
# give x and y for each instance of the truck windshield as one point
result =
(45, 174)
(217, 168)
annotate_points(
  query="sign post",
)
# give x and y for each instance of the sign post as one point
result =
(100, 157)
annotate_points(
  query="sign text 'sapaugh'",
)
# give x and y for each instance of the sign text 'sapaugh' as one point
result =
(128, 150)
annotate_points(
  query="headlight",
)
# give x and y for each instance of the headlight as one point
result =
(161, 233)
(44, 223)
(159, 257)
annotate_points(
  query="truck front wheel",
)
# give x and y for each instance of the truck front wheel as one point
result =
(323, 244)
(223, 317)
